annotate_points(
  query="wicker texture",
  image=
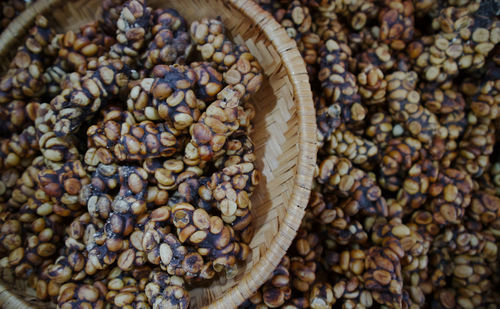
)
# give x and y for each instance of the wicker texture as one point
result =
(284, 135)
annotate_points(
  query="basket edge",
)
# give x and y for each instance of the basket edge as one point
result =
(22, 22)
(296, 71)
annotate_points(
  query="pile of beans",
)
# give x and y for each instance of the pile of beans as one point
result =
(126, 160)
(405, 208)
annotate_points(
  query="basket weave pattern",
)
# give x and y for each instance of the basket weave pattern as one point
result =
(284, 134)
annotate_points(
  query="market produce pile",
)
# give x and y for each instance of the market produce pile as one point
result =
(126, 160)
(405, 208)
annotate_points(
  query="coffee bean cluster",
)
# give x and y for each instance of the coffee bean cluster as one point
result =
(126, 159)
(404, 211)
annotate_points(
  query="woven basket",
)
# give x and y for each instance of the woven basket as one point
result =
(284, 135)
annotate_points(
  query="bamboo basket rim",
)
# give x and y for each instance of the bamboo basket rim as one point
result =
(296, 71)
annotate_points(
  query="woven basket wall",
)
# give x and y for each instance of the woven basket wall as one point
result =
(284, 135)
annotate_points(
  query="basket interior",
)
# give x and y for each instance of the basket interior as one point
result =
(276, 132)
